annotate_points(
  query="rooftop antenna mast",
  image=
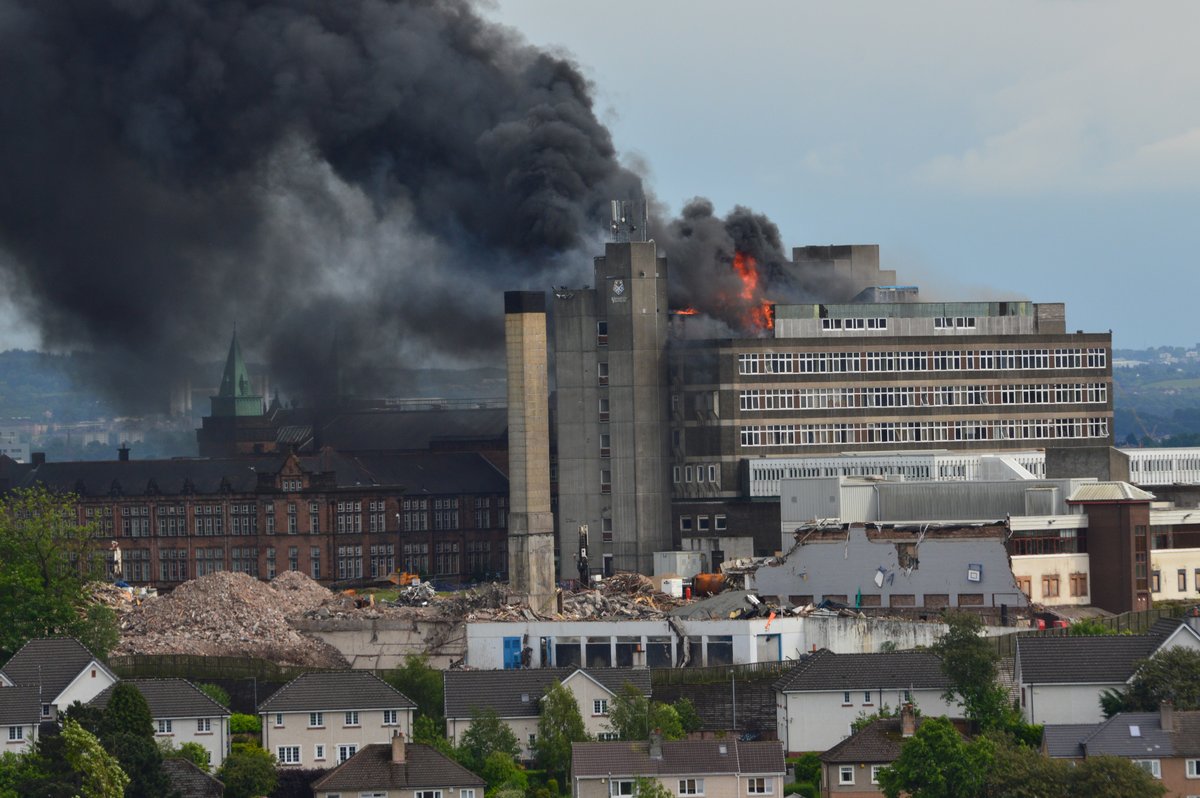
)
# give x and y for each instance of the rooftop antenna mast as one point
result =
(628, 221)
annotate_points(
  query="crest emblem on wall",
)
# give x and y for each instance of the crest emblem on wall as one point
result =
(618, 287)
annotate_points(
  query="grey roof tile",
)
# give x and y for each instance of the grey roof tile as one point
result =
(372, 769)
(899, 669)
(878, 742)
(1063, 740)
(1131, 734)
(1103, 659)
(19, 706)
(169, 698)
(515, 693)
(51, 662)
(190, 781)
(679, 757)
(331, 691)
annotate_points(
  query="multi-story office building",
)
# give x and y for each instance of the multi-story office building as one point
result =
(881, 373)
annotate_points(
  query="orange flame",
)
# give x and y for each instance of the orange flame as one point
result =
(689, 311)
(761, 314)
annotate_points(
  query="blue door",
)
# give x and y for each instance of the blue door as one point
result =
(512, 653)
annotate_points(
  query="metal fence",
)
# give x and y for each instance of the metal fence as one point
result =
(719, 673)
(1126, 623)
(199, 667)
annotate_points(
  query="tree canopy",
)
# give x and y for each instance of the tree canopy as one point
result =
(969, 662)
(632, 716)
(248, 771)
(559, 725)
(48, 563)
(422, 684)
(1171, 675)
(486, 735)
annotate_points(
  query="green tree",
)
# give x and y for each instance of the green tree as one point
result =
(937, 762)
(248, 771)
(48, 563)
(501, 772)
(1020, 771)
(192, 752)
(127, 732)
(631, 715)
(689, 718)
(427, 732)
(1171, 675)
(242, 723)
(421, 683)
(969, 662)
(486, 734)
(127, 712)
(1112, 777)
(807, 767)
(101, 774)
(216, 692)
(650, 788)
(559, 725)
(1090, 627)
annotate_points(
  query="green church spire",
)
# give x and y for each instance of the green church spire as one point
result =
(236, 396)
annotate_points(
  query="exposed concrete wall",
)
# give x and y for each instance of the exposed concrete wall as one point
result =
(382, 643)
(1101, 462)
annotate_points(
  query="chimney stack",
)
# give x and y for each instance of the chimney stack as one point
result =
(656, 741)
(908, 721)
(398, 748)
(123, 453)
(530, 521)
(1166, 715)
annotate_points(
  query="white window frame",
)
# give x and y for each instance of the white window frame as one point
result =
(203, 725)
(1151, 766)
(288, 754)
(164, 726)
(845, 775)
(345, 751)
(319, 752)
(1193, 768)
(391, 717)
(875, 773)
(691, 787)
(427, 794)
(620, 788)
(760, 785)
(599, 706)
(466, 792)
(316, 720)
(351, 718)
(16, 733)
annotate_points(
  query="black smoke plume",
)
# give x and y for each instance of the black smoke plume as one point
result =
(374, 170)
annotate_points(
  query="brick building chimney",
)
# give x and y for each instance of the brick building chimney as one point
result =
(656, 741)
(398, 748)
(1166, 716)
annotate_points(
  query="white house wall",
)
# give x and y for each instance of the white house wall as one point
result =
(186, 730)
(295, 731)
(91, 682)
(818, 721)
(1064, 703)
(1168, 563)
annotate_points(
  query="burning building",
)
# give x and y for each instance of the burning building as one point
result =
(654, 403)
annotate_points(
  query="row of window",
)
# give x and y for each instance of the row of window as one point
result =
(924, 396)
(752, 363)
(167, 726)
(696, 473)
(623, 788)
(1051, 585)
(769, 435)
(846, 774)
(854, 324)
(1181, 581)
(701, 523)
(316, 720)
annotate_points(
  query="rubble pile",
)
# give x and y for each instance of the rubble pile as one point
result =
(226, 614)
(299, 593)
(609, 604)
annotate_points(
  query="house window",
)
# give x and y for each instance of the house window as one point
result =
(288, 754)
(691, 786)
(607, 736)
(846, 698)
(1151, 766)
(1079, 584)
(345, 752)
(164, 727)
(617, 789)
(16, 733)
(600, 706)
(427, 794)
(351, 719)
(279, 720)
(316, 720)
(319, 752)
(45, 710)
(758, 786)
(203, 725)
(719, 523)
(875, 773)
(1181, 580)
(685, 523)
(1193, 768)
(1025, 585)
(867, 697)
(390, 717)
(1050, 586)
(1155, 587)
(702, 523)
(466, 792)
(846, 774)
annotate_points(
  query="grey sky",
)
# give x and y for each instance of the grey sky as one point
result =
(1040, 149)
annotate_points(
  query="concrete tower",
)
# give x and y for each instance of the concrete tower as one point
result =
(613, 427)
(530, 521)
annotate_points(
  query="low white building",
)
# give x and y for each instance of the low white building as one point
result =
(319, 720)
(19, 717)
(181, 713)
(1061, 678)
(61, 669)
(819, 699)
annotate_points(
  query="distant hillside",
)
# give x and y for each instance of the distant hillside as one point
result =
(1157, 396)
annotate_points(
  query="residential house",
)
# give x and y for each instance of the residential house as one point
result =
(399, 770)
(1061, 678)
(713, 768)
(182, 714)
(319, 720)
(851, 768)
(1166, 744)
(819, 699)
(190, 781)
(515, 697)
(61, 670)
(20, 713)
